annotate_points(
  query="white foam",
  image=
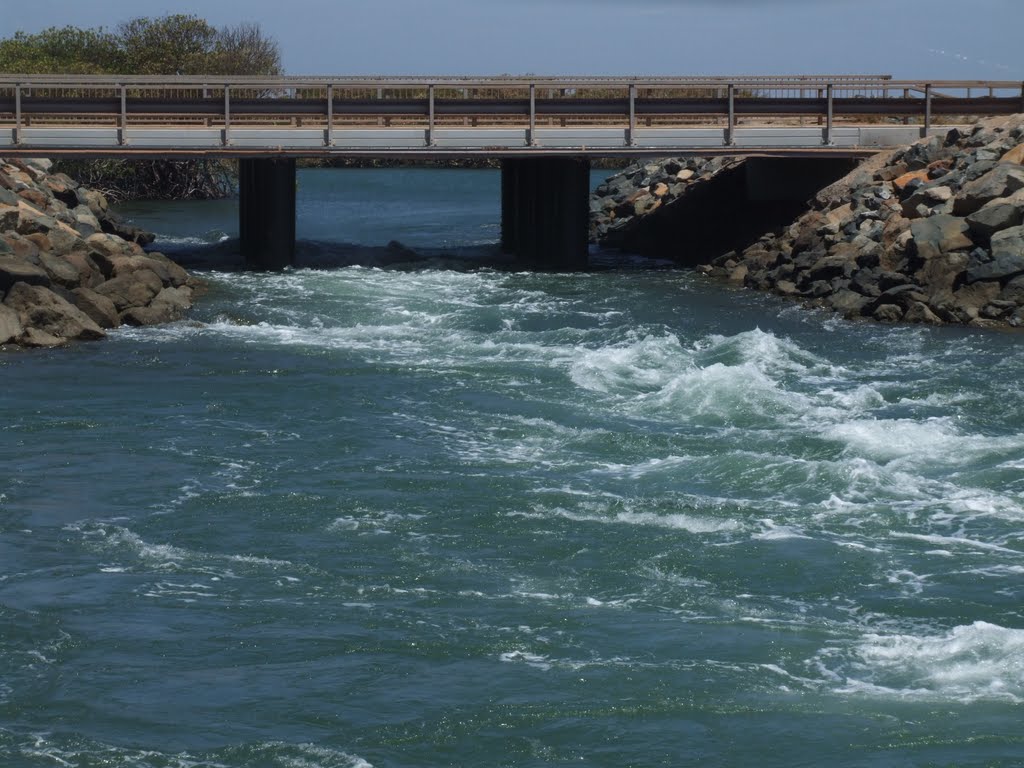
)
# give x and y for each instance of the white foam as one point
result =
(967, 663)
(956, 541)
(916, 442)
(773, 531)
(525, 657)
(673, 521)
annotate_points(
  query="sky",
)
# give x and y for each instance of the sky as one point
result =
(909, 39)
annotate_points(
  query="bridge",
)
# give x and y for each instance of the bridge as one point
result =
(543, 129)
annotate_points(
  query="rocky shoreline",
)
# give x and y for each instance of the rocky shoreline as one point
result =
(927, 234)
(69, 269)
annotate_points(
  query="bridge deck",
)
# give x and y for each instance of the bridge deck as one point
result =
(186, 116)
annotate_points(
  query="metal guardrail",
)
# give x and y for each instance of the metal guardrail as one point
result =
(87, 100)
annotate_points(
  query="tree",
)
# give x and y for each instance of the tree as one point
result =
(244, 50)
(63, 50)
(176, 44)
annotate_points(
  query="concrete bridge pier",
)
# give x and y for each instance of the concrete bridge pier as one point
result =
(545, 211)
(266, 212)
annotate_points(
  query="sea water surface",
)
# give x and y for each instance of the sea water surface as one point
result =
(437, 516)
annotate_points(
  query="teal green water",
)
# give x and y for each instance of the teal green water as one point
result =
(434, 517)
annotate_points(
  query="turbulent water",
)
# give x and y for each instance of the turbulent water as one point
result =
(446, 517)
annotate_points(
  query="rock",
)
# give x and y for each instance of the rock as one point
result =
(976, 170)
(1013, 291)
(660, 189)
(685, 175)
(42, 309)
(997, 309)
(1005, 260)
(85, 221)
(787, 288)
(34, 196)
(14, 270)
(971, 298)
(10, 325)
(932, 199)
(59, 270)
(98, 307)
(9, 215)
(739, 273)
(941, 274)
(910, 179)
(919, 313)
(940, 234)
(8, 198)
(848, 303)
(108, 245)
(901, 295)
(831, 266)
(33, 337)
(996, 215)
(170, 273)
(32, 220)
(646, 204)
(93, 200)
(39, 163)
(135, 289)
(865, 282)
(170, 304)
(888, 313)
(1002, 181)
(1015, 155)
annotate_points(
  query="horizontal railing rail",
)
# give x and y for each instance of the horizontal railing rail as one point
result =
(332, 103)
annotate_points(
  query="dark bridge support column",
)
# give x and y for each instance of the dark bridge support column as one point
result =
(266, 212)
(545, 211)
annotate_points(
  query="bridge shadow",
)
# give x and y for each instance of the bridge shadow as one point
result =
(226, 256)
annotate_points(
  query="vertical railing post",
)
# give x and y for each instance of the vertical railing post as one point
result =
(227, 115)
(829, 114)
(531, 135)
(17, 113)
(329, 133)
(123, 129)
(730, 132)
(430, 115)
(1021, 97)
(631, 138)
(927, 108)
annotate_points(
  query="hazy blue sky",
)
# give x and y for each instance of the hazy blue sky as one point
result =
(951, 39)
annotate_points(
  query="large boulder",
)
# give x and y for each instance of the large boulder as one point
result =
(15, 270)
(133, 289)
(170, 304)
(9, 215)
(98, 307)
(42, 309)
(60, 270)
(999, 214)
(1002, 181)
(10, 325)
(1015, 155)
(937, 235)
(927, 201)
(1004, 261)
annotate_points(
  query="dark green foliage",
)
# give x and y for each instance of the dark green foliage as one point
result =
(62, 50)
(174, 44)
